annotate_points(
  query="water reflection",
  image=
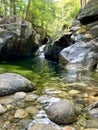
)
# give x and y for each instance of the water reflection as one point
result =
(42, 71)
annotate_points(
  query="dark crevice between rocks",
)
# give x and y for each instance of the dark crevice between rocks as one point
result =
(89, 19)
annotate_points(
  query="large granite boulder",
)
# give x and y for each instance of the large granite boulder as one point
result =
(85, 50)
(52, 50)
(84, 54)
(11, 83)
(89, 13)
(62, 112)
(17, 38)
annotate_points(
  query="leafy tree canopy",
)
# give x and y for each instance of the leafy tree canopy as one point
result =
(52, 15)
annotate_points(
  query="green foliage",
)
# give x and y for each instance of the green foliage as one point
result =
(49, 14)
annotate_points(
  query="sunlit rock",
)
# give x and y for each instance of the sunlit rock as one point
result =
(19, 96)
(11, 83)
(84, 54)
(3, 109)
(21, 113)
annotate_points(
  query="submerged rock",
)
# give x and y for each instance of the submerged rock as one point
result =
(11, 83)
(62, 112)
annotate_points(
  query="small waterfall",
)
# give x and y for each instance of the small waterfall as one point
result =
(41, 51)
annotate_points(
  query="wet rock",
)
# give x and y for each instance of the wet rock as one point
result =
(93, 109)
(2, 109)
(52, 50)
(90, 12)
(51, 91)
(11, 83)
(42, 126)
(47, 100)
(20, 113)
(74, 92)
(62, 112)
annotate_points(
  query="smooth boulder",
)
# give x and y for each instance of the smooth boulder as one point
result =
(11, 83)
(84, 54)
(62, 112)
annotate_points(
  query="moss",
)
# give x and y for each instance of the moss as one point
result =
(37, 71)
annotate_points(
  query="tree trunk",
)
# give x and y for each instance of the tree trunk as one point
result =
(14, 7)
(83, 3)
(5, 7)
(11, 9)
(27, 10)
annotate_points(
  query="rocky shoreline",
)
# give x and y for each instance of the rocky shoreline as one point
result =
(70, 107)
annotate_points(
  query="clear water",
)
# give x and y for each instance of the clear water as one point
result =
(38, 70)
(43, 72)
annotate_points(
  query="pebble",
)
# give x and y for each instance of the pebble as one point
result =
(31, 97)
(21, 113)
(10, 107)
(19, 95)
(32, 110)
(73, 92)
(3, 109)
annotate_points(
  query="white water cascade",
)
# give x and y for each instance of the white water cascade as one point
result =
(41, 51)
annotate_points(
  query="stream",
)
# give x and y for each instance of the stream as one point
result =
(53, 82)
